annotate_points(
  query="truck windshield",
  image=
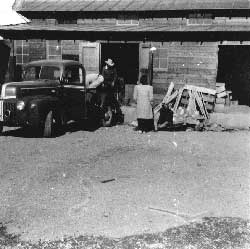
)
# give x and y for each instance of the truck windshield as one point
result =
(41, 72)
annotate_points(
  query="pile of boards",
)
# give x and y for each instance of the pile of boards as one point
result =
(190, 104)
(223, 97)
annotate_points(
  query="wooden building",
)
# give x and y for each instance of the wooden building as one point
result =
(197, 42)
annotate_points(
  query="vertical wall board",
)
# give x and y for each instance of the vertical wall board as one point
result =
(185, 63)
(144, 56)
(90, 56)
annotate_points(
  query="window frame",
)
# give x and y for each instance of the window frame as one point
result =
(80, 77)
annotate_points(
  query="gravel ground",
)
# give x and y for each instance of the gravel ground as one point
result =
(115, 188)
(223, 233)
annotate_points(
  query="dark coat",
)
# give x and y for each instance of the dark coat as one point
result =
(110, 76)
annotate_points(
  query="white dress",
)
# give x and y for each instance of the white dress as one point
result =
(143, 95)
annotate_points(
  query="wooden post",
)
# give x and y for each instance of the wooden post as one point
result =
(151, 65)
(150, 68)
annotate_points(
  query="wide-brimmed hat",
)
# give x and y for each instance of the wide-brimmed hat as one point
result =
(110, 62)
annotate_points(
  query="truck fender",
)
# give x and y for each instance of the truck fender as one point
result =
(40, 107)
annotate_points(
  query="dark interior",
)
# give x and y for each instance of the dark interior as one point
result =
(125, 57)
(4, 59)
(234, 70)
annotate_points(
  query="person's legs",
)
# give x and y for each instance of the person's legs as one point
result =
(115, 103)
(144, 125)
(152, 125)
(140, 124)
(149, 125)
(103, 97)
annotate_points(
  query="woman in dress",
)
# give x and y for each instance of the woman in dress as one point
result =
(143, 96)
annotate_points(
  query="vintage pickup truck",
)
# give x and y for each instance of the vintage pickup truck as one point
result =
(52, 93)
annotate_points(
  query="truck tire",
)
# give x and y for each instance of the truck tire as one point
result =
(61, 123)
(108, 117)
(49, 125)
(1, 127)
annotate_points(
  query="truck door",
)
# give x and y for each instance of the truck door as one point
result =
(73, 91)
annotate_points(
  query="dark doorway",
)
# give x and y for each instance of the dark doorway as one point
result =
(234, 70)
(126, 58)
(4, 60)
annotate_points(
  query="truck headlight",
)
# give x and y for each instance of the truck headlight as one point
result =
(20, 105)
(10, 92)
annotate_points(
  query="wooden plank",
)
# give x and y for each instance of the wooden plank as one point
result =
(166, 100)
(186, 64)
(219, 84)
(221, 95)
(178, 99)
(208, 98)
(198, 54)
(220, 101)
(181, 70)
(200, 103)
(200, 89)
(170, 89)
(220, 89)
(191, 59)
(210, 107)
(201, 97)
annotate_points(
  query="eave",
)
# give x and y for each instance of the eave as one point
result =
(154, 32)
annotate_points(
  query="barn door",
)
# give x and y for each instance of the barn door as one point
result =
(90, 56)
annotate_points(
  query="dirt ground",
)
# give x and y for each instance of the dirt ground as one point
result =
(114, 182)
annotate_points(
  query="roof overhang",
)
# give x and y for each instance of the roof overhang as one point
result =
(93, 32)
(127, 5)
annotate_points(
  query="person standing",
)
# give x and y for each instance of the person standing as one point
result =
(109, 74)
(143, 96)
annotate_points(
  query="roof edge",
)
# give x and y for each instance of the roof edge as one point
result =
(18, 4)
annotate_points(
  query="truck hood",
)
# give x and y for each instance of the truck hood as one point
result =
(33, 84)
(28, 85)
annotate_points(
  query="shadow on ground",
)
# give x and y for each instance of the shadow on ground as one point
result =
(208, 233)
(31, 133)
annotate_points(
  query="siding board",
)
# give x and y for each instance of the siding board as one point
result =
(187, 63)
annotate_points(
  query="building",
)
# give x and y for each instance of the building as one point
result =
(198, 42)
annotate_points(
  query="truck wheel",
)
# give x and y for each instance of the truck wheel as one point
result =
(108, 117)
(1, 127)
(61, 123)
(49, 125)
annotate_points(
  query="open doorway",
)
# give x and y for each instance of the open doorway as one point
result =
(4, 60)
(125, 57)
(234, 71)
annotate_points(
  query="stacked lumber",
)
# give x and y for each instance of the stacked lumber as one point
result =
(190, 104)
(223, 97)
(207, 94)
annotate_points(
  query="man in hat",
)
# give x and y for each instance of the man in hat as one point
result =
(109, 74)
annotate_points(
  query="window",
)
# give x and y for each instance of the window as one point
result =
(49, 72)
(54, 50)
(41, 72)
(74, 75)
(32, 73)
(22, 51)
(74, 57)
